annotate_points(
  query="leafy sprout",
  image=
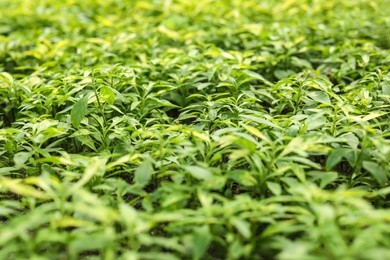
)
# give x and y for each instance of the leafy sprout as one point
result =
(194, 129)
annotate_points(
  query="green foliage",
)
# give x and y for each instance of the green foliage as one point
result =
(79, 111)
(210, 129)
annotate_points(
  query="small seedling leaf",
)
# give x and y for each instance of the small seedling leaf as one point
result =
(376, 171)
(257, 76)
(242, 226)
(108, 94)
(320, 96)
(201, 240)
(328, 177)
(274, 187)
(21, 157)
(79, 111)
(335, 157)
(143, 173)
(199, 172)
(262, 121)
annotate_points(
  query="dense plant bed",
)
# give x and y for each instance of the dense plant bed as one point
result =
(204, 129)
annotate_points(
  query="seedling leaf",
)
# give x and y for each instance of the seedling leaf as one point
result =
(143, 173)
(199, 172)
(320, 96)
(335, 157)
(376, 171)
(200, 241)
(274, 187)
(328, 177)
(21, 157)
(79, 111)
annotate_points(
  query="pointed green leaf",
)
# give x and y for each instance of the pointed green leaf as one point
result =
(377, 171)
(257, 76)
(201, 240)
(143, 173)
(107, 94)
(261, 121)
(242, 177)
(242, 226)
(199, 172)
(327, 177)
(79, 111)
(385, 88)
(335, 157)
(87, 140)
(96, 167)
(282, 74)
(274, 187)
(320, 96)
(21, 158)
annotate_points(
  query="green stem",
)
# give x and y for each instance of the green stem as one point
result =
(101, 108)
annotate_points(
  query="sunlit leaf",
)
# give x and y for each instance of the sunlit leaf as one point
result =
(79, 111)
(327, 178)
(320, 96)
(199, 172)
(335, 157)
(201, 240)
(377, 172)
(107, 94)
(143, 173)
(274, 187)
(242, 226)
(21, 157)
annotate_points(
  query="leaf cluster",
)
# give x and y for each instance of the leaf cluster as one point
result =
(210, 129)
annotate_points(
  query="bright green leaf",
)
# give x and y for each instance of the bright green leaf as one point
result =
(21, 157)
(242, 226)
(377, 171)
(79, 111)
(320, 96)
(274, 187)
(327, 177)
(143, 173)
(199, 172)
(335, 157)
(201, 240)
(108, 94)
(257, 76)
